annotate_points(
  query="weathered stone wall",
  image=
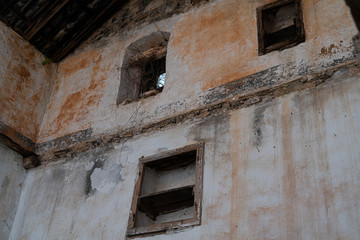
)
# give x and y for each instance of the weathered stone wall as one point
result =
(12, 176)
(25, 86)
(286, 168)
(280, 130)
(210, 46)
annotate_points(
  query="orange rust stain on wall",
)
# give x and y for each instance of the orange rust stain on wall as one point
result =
(69, 109)
(22, 51)
(227, 78)
(76, 109)
(329, 50)
(22, 72)
(334, 49)
(289, 177)
(239, 191)
(23, 85)
(210, 30)
(217, 43)
(18, 101)
(261, 230)
(35, 98)
(78, 62)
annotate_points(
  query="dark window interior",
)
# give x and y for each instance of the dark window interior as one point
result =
(153, 78)
(167, 194)
(167, 201)
(159, 197)
(280, 26)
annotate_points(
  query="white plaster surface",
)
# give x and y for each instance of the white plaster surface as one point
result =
(12, 176)
(105, 180)
(285, 169)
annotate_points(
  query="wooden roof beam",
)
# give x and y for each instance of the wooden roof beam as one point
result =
(44, 18)
(91, 25)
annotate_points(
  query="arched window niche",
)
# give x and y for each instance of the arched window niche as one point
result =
(143, 69)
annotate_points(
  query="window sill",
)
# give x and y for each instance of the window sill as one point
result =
(162, 227)
(142, 96)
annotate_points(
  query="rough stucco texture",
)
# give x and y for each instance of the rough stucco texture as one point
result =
(285, 169)
(24, 84)
(12, 176)
(209, 46)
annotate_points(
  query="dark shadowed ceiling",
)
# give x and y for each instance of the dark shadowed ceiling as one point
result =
(55, 27)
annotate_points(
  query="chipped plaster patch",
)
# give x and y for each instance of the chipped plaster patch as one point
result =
(105, 179)
(89, 165)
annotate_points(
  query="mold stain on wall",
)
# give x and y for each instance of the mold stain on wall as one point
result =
(258, 123)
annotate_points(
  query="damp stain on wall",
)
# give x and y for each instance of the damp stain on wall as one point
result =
(258, 123)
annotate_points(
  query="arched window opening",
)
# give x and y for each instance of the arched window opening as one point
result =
(144, 68)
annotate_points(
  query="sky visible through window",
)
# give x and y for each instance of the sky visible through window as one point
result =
(161, 81)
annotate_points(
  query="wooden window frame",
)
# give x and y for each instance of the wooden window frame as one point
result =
(132, 230)
(288, 43)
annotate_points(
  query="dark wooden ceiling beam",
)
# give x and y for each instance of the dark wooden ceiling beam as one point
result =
(15, 12)
(53, 26)
(44, 18)
(90, 26)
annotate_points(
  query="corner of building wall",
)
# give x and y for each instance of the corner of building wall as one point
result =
(23, 61)
(52, 80)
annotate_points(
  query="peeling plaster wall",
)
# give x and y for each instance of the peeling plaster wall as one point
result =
(25, 84)
(210, 45)
(12, 176)
(284, 169)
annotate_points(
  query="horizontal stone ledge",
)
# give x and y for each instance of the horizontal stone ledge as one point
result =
(81, 141)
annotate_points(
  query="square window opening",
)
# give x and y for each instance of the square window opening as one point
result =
(168, 192)
(280, 25)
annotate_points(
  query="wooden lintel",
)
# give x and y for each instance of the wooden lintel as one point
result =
(20, 144)
(7, 141)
